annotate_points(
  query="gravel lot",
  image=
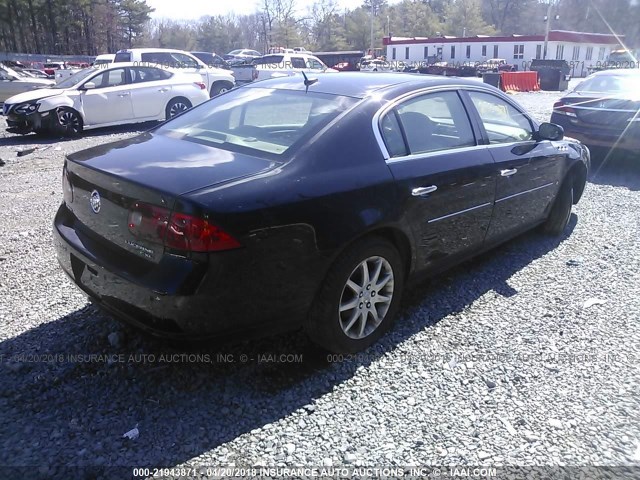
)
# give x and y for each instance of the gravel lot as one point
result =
(527, 355)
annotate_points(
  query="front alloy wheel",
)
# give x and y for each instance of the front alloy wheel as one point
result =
(69, 122)
(366, 298)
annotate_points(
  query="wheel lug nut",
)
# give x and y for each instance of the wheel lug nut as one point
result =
(369, 287)
(361, 294)
(373, 294)
(361, 305)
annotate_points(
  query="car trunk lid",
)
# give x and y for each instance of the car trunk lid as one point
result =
(109, 180)
(607, 112)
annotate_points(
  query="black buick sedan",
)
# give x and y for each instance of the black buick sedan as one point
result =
(308, 203)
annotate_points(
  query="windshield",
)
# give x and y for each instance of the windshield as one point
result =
(610, 84)
(235, 52)
(76, 78)
(257, 120)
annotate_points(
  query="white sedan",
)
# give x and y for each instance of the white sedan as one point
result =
(101, 97)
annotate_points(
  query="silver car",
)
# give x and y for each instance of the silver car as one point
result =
(12, 83)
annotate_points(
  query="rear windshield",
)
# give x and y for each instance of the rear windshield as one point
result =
(257, 120)
(610, 84)
(122, 57)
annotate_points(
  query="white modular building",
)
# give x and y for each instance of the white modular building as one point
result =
(581, 50)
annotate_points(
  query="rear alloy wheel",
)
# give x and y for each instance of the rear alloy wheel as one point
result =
(218, 88)
(68, 122)
(359, 297)
(561, 211)
(177, 106)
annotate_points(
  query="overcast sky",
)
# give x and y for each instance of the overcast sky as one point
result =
(193, 9)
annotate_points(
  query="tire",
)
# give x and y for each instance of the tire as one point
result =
(177, 106)
(68, 122)
(219, 88)
(560, 214)
(335, 319)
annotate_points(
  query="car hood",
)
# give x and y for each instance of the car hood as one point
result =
(36, 94)
(170, 165)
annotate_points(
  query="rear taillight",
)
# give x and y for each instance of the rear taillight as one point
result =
(201, 85)
(67, 189)
(254, 74)
(564, 109)
(179, 231)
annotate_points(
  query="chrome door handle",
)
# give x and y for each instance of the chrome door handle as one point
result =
(126, 94)
(417, 192)
(163, 90)
(508, 172)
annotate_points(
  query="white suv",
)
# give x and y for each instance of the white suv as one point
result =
(217, 80)
(285, 64)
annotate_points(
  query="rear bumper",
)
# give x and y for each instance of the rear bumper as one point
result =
(601, 136)
(224, 296)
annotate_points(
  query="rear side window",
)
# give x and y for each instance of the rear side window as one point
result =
(162, 58)
(148, 74)
(435, 121)
(122, 57)
(392, 135)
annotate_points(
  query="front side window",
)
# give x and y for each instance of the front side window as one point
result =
(315, 64)
(431, 122)
(111, 78)
(258, 120)
(502, 121)
(181, 60)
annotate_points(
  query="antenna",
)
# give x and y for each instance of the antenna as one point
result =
(308, 81)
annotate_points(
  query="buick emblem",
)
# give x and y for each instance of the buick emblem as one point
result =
(94, 201)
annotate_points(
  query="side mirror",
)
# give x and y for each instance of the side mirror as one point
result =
(550, 131)
(88, 86)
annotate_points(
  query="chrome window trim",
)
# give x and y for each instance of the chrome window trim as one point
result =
(458, 213)
(377, 131)
(419, 156)
(526, 191)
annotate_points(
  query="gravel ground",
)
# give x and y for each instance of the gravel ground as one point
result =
(528, 355)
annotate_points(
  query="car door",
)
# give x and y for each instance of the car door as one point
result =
(150, 91)
(110, 100)
(446, 182)
(527, 170)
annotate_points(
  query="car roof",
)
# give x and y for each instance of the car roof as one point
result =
(361, 84)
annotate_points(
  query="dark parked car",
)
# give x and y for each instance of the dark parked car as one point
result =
(308, 202)
(212, 60)
(603, 111)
